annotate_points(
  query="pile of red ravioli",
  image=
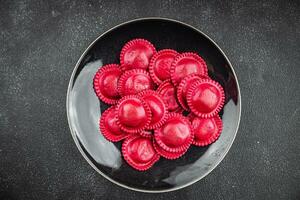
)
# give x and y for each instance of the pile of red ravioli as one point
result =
(149, 91)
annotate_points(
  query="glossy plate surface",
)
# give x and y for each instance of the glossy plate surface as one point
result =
(84, 109)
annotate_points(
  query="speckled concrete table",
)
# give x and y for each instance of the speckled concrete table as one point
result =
(40, 42)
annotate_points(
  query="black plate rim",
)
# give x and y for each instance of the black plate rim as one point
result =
(74, 134)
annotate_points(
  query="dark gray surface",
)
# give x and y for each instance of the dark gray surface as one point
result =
(40, 42)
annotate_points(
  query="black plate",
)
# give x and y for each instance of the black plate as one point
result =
(84, 109)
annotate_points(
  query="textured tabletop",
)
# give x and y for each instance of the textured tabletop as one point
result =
(40, 43)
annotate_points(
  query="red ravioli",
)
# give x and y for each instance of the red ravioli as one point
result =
(176, 135)
(133, 114)
(148, 120)
(206, 130)
(205, 98)
(109, 127)
(106, 83)
(183, 87)
(139, 152)
(157, 107)
(160, 65)
(166, 154)
(136, 54)
(168, 93)
(185, 64)
(134, 81)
